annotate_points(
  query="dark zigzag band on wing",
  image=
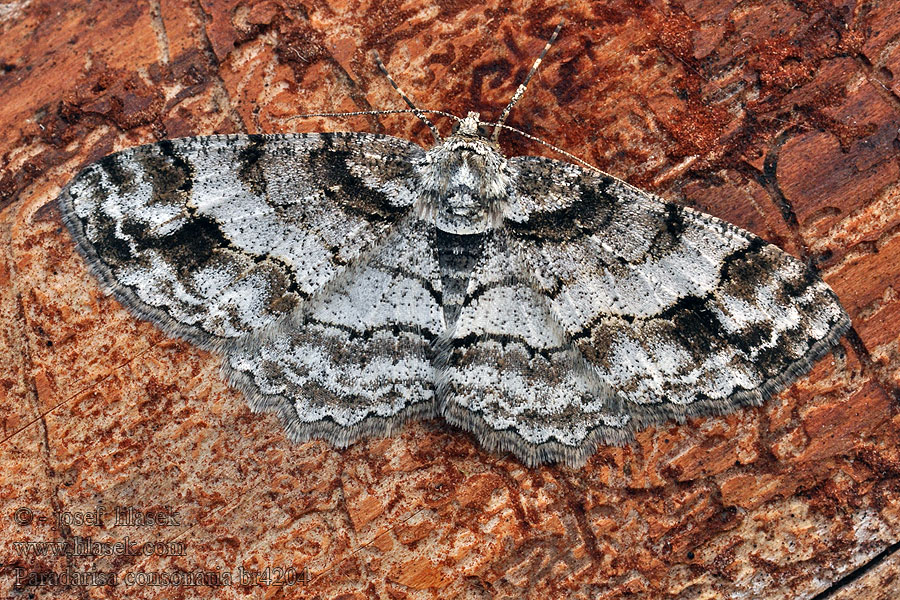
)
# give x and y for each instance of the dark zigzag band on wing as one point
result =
(532, 381)
(556, 393)
(684, 307)
(345, 391)
(755, 354)
(681, 313)
(182, 237)
(372, 330)
(507, 439)
(357, 358)
(504, 340)
(328, 428)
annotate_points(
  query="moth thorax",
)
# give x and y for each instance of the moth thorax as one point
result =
(466, 185)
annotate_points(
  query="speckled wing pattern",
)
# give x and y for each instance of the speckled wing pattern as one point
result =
(356, 359)
(213, 238)
(508, 371)
(680, 313)
(289, 253)
(354, 281)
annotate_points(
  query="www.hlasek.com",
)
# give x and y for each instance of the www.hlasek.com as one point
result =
(270, 576)
(87, 546)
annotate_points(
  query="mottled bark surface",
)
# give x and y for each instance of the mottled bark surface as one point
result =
(781, 117)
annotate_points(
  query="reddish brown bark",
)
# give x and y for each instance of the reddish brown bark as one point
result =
(780, 117)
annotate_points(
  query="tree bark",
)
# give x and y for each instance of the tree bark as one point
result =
(780, 117)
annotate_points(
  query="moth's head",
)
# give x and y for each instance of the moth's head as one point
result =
(468, 158)
(469, 145)
(465, 182)
(472, 128)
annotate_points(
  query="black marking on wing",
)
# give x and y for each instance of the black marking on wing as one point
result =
(172, 179)
(250, 171)
(114, 247)
(740, 266)
(590, 212)
(507, 281)
(671, 229)
(472, 340)
(366, 334)
(118, 176)
(355, 195)
(426, 283)
(457, 257)
(746, 268)
(190, 246)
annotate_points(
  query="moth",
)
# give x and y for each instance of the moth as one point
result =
(353, 281)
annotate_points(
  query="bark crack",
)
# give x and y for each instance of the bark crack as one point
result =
(233, 114)
(19, 344)
(858, 572)
(158, 25)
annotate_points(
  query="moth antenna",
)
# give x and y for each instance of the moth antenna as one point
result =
(392, 111)
(533, 138)
(350, 114)
(521, 89)
(419, 113)
(581, 162)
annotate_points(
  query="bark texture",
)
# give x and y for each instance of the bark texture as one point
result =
(779, 116)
